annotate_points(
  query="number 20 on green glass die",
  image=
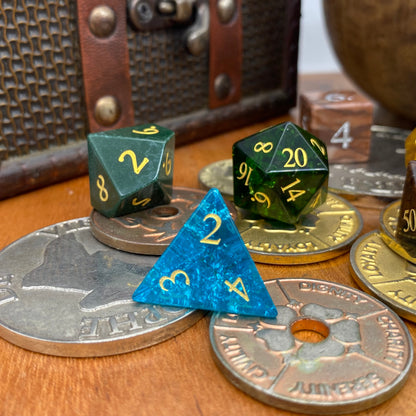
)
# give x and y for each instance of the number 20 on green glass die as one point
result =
(280, 173)
(130, 169)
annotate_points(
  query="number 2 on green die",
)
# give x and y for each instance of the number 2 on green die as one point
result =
(136, 168)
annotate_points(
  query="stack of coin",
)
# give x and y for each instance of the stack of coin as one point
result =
(364, 352)
(149, 231)
(384, 261)
(380, 265)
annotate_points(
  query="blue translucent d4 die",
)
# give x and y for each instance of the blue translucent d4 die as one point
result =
(130, 169)
(207, 266)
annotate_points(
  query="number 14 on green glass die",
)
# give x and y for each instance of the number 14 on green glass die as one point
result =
(280, 173)
(130, 169)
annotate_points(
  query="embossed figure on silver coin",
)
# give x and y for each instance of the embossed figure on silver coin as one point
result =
(64, 293)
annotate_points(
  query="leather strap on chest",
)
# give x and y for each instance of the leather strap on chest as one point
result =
(225, 54)
(105, 63)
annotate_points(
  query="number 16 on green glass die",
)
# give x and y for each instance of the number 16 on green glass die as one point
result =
(280, 173)
(130, 169)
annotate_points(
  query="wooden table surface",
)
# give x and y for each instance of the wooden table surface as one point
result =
(178, 376)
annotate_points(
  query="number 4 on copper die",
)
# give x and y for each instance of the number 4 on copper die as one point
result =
(280, 173)
(207, 266)
(130, 169)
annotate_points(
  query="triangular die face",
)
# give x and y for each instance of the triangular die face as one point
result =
(318, 199)
(316, 144)
(207, 266)
(259, 147)
(297, 190)
(277, 209)
(294, 150)
(150, 196)
(289, 131)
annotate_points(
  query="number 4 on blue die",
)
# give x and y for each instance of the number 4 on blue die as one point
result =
(207, 266)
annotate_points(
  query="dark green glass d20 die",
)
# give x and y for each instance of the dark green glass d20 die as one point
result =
(280, 173)
(130, 169)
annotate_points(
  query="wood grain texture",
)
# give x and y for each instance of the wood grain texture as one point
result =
(326, 115)
(176, 377)
(375, 43)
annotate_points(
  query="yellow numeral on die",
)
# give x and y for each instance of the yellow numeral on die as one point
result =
(293, 193)
(207, 238)
(409, 215)
(136, 168)
(296, 158)
(172, 278)
(232, 287)
(103, 191)
(148, 130)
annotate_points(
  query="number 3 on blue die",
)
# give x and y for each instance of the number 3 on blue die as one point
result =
(213, 280)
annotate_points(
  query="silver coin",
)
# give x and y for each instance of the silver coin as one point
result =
(359, 180)
(382, 175)
(64, 293)
(362, 358)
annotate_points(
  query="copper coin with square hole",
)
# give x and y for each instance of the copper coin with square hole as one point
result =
(332, 349)
(149, 231)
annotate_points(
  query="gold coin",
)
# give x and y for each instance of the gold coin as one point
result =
(388, 218)
(325, 233)
(385, 274)
(388, 225)
(218, 175)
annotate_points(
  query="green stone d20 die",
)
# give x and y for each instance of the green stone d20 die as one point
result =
(280, 172)
(130, 169)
